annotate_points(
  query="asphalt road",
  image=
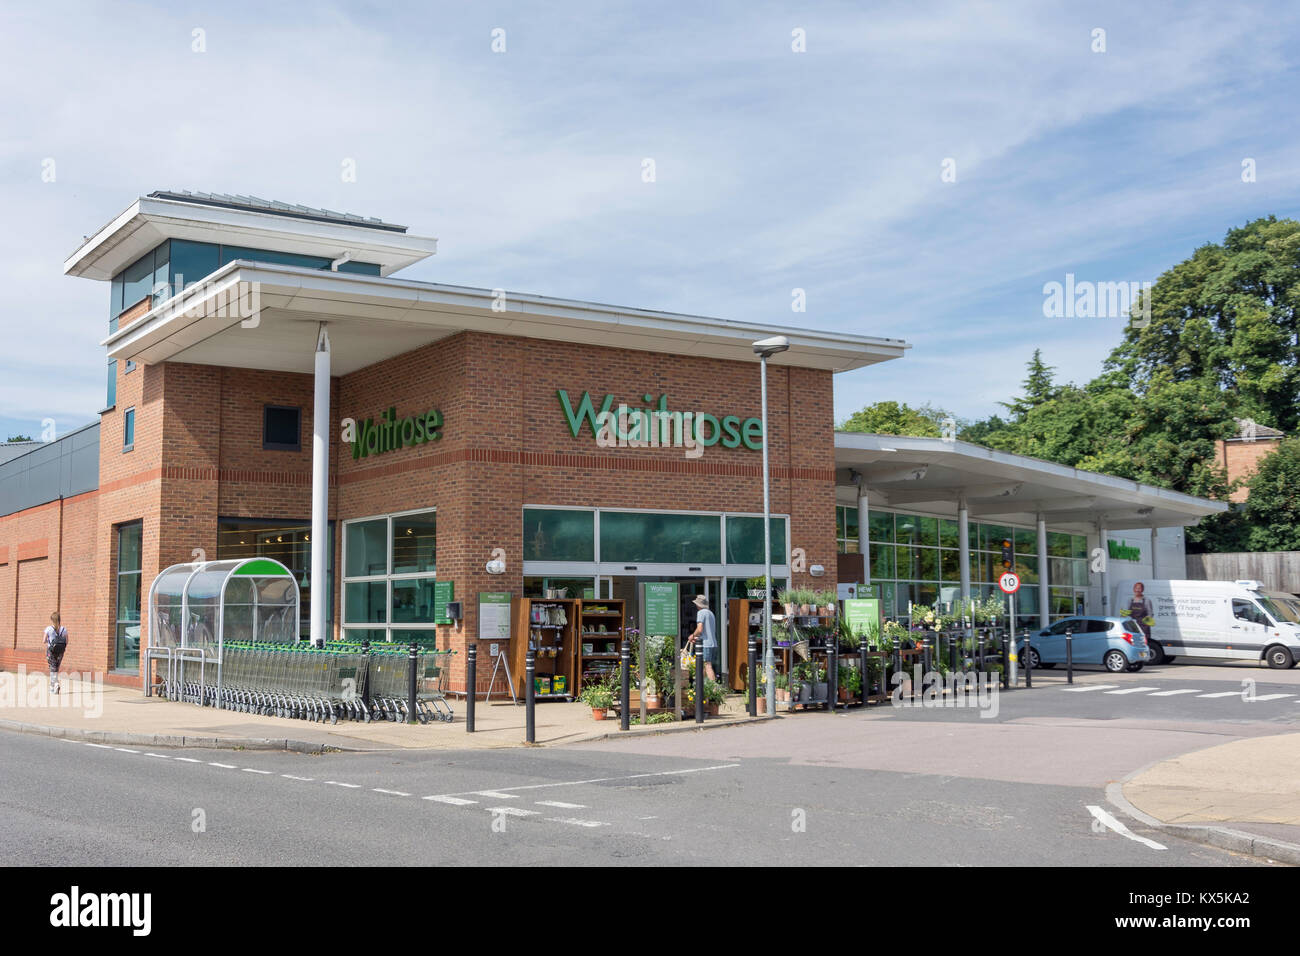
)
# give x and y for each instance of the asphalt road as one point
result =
(766, 794)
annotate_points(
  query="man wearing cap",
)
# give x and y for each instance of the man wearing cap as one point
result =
(706, 630)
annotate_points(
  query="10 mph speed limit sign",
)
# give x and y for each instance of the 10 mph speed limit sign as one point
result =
(1009, 582)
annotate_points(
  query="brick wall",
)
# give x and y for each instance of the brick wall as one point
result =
(198, 456)
(1241, 459)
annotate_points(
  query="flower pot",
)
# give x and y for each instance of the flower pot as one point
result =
(598, 713)
(845, 694)
(820, 691)
(789, 610)
(652, 702)
(805, 693)
(762, 705)
(711, 709)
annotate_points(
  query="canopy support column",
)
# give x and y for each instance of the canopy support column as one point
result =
(1103, 540)
(963, 560)
(320, 494)
(1044, 605)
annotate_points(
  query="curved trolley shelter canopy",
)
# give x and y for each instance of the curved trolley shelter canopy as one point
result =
(209, 603)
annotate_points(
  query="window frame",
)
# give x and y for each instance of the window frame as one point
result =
(269, 407)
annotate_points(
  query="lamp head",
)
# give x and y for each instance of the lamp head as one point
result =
(769, 347)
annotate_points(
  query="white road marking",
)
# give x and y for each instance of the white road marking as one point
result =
(99, 746)
(1269, 697)
(561, 805)
(1110, 822)
(392, 793)
(223, 766)
(577, 823)
(251, 770)
(350, 786)
(633, 776)
(187, 760)
(163, 756)
(495, 794)
(512, 811)
(454, 801)
(1223, 693)
(1133, 690)
(1084, 690)
(126, 750)
(1174, 693)
(289, 776)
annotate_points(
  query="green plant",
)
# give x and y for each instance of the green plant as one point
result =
(847, 637)
(782, 681)
(597, 695)
(664, 718)
(757, 583)
(786, 596)
(851, 679)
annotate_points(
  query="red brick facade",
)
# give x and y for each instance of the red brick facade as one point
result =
(198, 456)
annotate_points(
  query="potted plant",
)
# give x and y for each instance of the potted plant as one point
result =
(782, 687)
(820, 688)
(757, 587)
(786, 597)
(599, 698)
(714, 694)
(651, 694)
(850, 683)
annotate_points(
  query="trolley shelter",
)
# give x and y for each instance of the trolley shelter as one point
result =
(196, 609)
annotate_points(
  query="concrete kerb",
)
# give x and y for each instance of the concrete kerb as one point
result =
(1225, 838)
(170, 740)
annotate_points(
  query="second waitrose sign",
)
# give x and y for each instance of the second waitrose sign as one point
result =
(658, 422)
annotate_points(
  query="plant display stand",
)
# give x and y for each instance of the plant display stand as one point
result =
(599, 639)
(549, 626)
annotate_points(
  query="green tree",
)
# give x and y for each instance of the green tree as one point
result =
(1272, 512)
(898, 418)
(13, 438)
(1038, 388)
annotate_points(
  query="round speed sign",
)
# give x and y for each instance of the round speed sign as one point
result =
(1009, 582)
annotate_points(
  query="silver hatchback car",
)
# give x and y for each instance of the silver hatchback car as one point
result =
(1116, 643)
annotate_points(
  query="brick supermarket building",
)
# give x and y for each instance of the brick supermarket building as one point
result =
(276, 390)
(463, 426)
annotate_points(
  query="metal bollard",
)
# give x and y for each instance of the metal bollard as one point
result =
(471, 684)
(866, 674)
(699, 682)
(1069, 655)
(530, 695)
(625, 666)
(1029, 666)
(413, 663)
(1006, 666)
(952, 653)
(753, 677)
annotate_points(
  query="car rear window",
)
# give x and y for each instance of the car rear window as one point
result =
(1131, 626)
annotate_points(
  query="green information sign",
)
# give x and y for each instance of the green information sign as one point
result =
(442, 593)
(661, 599)
(494, 615)
(863, 615)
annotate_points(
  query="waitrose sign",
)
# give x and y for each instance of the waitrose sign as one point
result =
(656, 425)
(390, 432)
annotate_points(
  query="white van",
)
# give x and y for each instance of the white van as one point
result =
(1212, 619)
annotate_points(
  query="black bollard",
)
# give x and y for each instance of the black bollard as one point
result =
(471, 684)
(866, 674)
(530, 694)
(625, 666)
(699, 682)
(1069, 655)
(1029, 665)
(1006, 666)
(413, 665)
(753, 677)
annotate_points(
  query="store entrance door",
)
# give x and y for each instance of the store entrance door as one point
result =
(687, 588)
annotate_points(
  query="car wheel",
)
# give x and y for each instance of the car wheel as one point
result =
(1157, 652)
(1115, 662)
(1278, 657)
(1169, 658)
(1035, 662)
(1136, 666)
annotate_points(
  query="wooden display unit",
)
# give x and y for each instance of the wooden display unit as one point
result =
(606, 645)
(545, 636)
(738, 631)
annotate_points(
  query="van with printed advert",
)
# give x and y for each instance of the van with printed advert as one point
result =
(1215, 620)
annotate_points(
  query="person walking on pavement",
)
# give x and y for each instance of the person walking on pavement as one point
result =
(706, 631)
(56, 642)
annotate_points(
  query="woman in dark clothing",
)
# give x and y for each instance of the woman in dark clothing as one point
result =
(1139, 608)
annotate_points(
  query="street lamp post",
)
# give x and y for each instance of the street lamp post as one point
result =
(765, 349)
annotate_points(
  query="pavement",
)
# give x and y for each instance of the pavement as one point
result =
(119, 715)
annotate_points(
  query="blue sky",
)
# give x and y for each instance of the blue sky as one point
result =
(775, 170)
